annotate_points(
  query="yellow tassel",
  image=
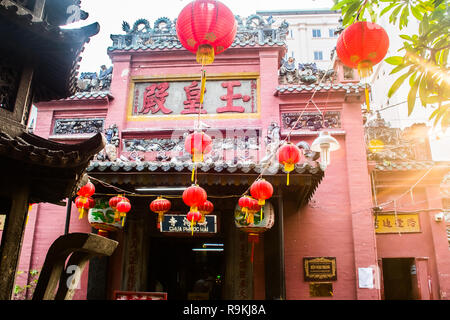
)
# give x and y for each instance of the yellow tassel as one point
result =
(123, 222)
(192, 227)
(193, 172)
(367, 97)
(203, 84)
(262, 213)
(287, 179)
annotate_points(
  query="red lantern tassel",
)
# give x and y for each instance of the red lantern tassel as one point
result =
(367, 97)
(253, 238)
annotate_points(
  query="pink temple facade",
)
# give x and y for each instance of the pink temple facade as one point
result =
(323, 244)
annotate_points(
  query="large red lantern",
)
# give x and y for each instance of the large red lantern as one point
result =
(160, 206)
(289, 155)
(361, 46)
(206, 208)
(261, 190)
(123, 207)
(206, 28)
(194, 196)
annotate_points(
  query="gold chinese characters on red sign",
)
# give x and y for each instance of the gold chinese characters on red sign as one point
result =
(397, 223)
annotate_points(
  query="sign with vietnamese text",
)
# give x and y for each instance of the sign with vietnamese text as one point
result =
(400, 223)
(178, 223)
(320, 269)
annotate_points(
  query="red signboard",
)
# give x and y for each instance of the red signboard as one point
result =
(132, 295)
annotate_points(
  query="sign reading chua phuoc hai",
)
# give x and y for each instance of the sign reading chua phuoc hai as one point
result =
(183, 97)
(178, 223)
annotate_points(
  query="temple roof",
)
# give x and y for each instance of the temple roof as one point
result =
(347, 87)
(233, 177)
(50, 169)
(53, 52)
(253, 31)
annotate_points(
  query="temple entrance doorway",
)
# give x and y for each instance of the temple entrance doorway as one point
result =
(399, 279)
(187, 268)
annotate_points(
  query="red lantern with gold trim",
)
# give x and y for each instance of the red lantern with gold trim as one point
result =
(83, 205)
(87, 190)
(198, 144)
(361, 46)
(206, 28)
(289, 155)
(206, 208)
(194, 196)
(160, 206)
(193, 217)
(123, 207)
(261, 190)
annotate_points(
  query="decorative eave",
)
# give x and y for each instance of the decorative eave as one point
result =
(348, 88)
(304, 180)
(53, 52)
(50, 169)
(81, 96)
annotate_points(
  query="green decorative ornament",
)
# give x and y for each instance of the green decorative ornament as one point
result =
(101, 217)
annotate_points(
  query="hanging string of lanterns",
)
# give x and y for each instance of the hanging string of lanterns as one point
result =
(84, 202)
(194, 197)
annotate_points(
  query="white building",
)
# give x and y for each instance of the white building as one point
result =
(311, 34)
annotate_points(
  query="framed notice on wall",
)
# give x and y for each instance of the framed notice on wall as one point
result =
(2, 221)
(320, 269)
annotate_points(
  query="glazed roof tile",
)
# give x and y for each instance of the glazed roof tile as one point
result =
(404, 165)
(219, 167)
(94, 95)
(292, 89)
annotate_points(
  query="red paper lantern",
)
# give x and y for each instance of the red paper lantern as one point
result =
(261, 190)
(198, 144)
(206, 208)
(123, 207)
(193, 217)
(160, 206)
(288, 155)
(83, 204)
(249, 206)
(87, 190)
(362, 45)
(206, 28)
(194, 196)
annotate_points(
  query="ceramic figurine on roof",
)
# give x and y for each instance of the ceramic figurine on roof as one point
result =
(288, 71)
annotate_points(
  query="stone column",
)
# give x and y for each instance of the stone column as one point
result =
(11, 244)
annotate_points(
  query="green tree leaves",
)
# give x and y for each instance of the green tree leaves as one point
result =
(425, 53)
